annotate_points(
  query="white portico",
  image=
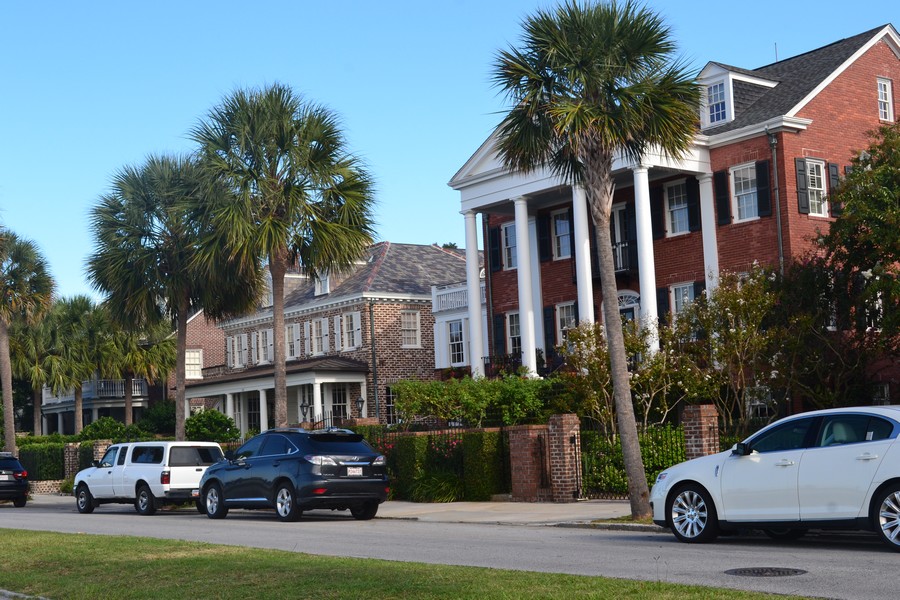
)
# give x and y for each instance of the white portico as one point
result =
(486, 187)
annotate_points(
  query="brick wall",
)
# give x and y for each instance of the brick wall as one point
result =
(204, 335)
(701, 430)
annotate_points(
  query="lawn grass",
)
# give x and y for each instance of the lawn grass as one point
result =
(81, 566)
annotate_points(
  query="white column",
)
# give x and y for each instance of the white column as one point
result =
(59, 422)
(187, 407)
(318, 413)
(45, 425)
(263, 411)
(229, 405)
(708, 230)
(94, 415)
(526, 304)
(473, 294)
(582, 233)
(365, 397)
(537, 297)
(244, 413)
(646, 264)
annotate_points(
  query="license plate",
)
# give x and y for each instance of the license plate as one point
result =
(354, 471)
(9, 477)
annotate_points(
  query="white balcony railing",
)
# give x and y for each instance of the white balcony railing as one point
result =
(98, 389)
(452, 297)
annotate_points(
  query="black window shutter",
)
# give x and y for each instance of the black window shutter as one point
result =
(802, 189)
(631, 256)
(723, 199)
(763, 196)
(499, 334)
(544, 237)
(699, 286)
(657, 212)
(571, 217)
(549, 329)
(494, 248)
(834, 179)
(595, 258)
(693, 203)
(662, 305)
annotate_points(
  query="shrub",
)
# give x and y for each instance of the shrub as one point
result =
(437, 486)
(104, 428)
(43, 461)
(484, 460)
(211, 426)
(159, 418)
(406, 462)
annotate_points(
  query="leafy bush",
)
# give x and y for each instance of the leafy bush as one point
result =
(104, 428)
(437, 486)
(484, 461)
(211, 426)
(406, 464)
(159, 418)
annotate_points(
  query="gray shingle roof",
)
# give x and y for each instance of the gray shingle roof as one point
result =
(796, 77)
(394, 269)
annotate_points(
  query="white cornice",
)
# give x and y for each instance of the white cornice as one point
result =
(791, 124)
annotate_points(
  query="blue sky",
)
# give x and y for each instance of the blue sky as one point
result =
(89, 87)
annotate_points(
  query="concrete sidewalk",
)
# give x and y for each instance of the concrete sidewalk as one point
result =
(584, 513)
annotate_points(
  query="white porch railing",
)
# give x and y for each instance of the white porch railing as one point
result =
(97, 389)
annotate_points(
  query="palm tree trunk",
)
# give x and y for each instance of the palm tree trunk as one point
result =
(129, 384)
(181, 352)
(9, 423)
(38, 397)
(600, 188)
(79, 408)
(278, 267)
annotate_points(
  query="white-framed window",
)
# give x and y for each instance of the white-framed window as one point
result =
(410, 329)
(292, 340)
(677, 208)
(193, 364)
(457, 345)
(508, 243)
(815, 183)
(322, 285)
(743, 192)
(682, 296)
(513, 334)
(562, 234)
(390, 414)
(352, 330)
(266, 347)
(339, 401)
(566, 319)
(320, 336)
(716, 103)
(885, 100)
(240, 350)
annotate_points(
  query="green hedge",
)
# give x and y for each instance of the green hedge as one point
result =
(43, 461)
(484, 465)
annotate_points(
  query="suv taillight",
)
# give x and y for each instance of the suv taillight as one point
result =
(20, 475)
(165, 477)
(378, 462)
(320, 460)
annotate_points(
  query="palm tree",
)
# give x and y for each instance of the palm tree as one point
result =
(144, 261)
(33, 359)
(26, 288)
(592, 80)
(79, 339)
(150, 355)
(300, 198)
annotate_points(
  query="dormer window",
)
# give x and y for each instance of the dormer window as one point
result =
(323, 285)
(715, 101)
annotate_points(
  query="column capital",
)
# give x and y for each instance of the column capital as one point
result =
(704, 177)
(519, 200)
(640, 168)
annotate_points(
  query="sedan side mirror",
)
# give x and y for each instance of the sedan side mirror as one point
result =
(741, 449)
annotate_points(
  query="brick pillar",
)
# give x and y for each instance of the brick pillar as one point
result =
(565, 457)
(701, 430)
(527, 462)
(70, 459)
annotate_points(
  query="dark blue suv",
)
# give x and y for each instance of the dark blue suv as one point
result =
(13, 480)
(293, 470)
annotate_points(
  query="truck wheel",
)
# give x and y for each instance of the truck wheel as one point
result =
(20, 502)
(145, 503)
(201, 508)
(214, 500)
(84, 500)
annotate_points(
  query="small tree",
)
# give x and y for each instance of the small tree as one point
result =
(211, 426)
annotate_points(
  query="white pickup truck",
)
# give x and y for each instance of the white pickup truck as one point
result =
(146, 474)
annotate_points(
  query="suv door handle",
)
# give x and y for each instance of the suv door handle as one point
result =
(867, 456)
(785, 463)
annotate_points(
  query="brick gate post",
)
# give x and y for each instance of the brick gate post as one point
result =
(701, 430)
(564, 434)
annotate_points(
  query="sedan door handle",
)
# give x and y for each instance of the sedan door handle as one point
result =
(785, 463)
(867, 456)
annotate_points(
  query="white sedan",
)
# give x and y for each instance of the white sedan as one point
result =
(826, 469)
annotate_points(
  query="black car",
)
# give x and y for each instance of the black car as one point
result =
(13, 480)
(293, 470)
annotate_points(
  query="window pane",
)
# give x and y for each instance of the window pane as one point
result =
(678, 208)
(745, 192)
(562, 236)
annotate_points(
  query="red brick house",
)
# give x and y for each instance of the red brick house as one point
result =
(772, 142)
(349, 337)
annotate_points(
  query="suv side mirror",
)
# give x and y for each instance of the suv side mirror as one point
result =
(229, 455)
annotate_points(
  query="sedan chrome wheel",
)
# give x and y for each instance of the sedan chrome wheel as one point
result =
(692, 515)
(889, 517)
(285, 505)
